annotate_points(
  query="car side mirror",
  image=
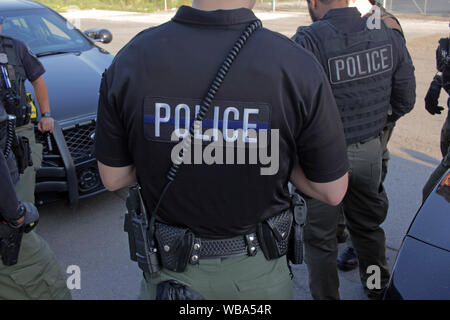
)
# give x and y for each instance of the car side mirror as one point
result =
(99, 35)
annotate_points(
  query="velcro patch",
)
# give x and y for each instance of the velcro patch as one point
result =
(360, 65)
(164, 117)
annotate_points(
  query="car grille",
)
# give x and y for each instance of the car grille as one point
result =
(79, 141)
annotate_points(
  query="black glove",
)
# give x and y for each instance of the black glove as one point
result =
(432, 97)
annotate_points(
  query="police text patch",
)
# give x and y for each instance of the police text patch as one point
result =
(164, 117)
(360, 65)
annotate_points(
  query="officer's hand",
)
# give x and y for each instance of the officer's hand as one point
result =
(46, 124)
(29, 219)
(31, 216)
(431, 99)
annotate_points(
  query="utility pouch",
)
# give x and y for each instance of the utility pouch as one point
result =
(295, 251)
(175, 246)
(273, 235)
(22, 151)
(10, 242)
(173, 290)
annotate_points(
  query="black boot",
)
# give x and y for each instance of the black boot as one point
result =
(347, 260)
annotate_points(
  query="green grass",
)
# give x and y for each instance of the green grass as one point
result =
(122, 5)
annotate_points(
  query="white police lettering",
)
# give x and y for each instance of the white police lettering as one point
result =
(164, 116)
(187, 116)
(360, 65)
(158, 119)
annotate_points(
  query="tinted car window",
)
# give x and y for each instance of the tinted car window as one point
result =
(43, 31)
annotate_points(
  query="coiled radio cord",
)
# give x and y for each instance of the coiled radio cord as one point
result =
(11, 135)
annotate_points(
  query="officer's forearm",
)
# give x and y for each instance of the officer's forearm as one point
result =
(41, 91)
(116, 178)
(331, 193)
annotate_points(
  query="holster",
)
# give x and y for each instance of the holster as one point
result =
(273, 235)
(295, 252)
(140, 234)
(22, 151)
(10, 241)
(175, 246)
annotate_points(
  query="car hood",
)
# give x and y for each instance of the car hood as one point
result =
(73, 81)
(432, 223)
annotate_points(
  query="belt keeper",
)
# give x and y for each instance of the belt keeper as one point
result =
(195, 255)
(250, 240)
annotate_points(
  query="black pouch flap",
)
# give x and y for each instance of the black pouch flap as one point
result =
(281, 225)
(175, 246)
(273, 235)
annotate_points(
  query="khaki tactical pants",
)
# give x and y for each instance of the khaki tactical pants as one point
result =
(27, 183)
(235, 278)
(365, 207)
(445, 163)
(37, 274)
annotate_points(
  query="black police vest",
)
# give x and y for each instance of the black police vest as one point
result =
(4, 136)
(359, 67)
(13, 98)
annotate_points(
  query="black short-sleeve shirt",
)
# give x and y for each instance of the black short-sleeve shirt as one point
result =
(31, 64)
(154, 86)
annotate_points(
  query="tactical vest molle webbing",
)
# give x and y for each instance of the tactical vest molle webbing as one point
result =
(359, 67)
(20, 108)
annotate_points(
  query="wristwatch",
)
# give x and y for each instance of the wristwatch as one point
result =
(46, 115)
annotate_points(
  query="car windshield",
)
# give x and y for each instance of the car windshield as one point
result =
(44, 31)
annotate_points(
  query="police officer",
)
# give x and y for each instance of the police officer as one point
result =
(369, 68)
(441, 80)
(28, 268)
(18, 64)
(221, 227)
(347, 260)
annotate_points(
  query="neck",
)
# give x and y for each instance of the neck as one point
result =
(210, 5)
(336, 5)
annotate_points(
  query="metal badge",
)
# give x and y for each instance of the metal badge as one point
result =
(3, 58)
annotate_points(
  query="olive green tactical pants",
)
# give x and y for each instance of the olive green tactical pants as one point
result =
(236, 278)
(445, 163)
(365, 207)
(37, 274)
(27, 183)
(386, 135)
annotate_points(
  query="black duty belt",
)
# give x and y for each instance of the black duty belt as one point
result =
(369, 139)
(223, 248)
(177, 244)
